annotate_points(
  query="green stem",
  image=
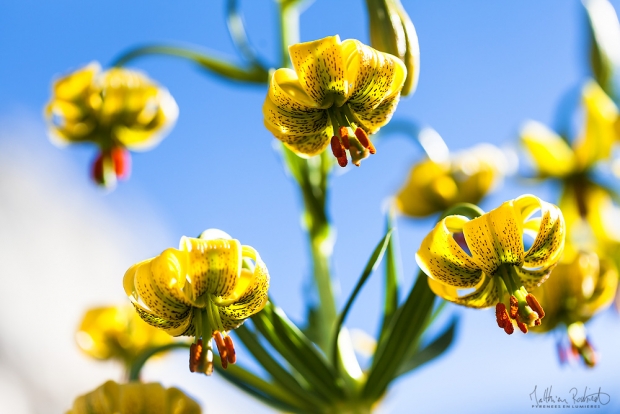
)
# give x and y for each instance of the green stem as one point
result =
(138, 364)
(311, 175)
(289, 29)
(253, 74)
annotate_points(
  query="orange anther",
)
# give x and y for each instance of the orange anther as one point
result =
(221, 348)
(535, 305)
(537, 322)
(97, 169)
(342, 161)
(344, 137)
(230, 348)
(514, 306)
(521, 325)
(363, 139)
(195, 354)
(337, 148)
(508, 328)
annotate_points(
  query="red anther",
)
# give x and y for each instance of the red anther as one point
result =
(342, 161)
(508, 328)
(344, 137)
(500, 312)
(535, 305)
(337, 148)
(537, 322)
(122, 162)
(521, 325)
(97, 169)
(230, 348)
(363, 139)
(514, 306)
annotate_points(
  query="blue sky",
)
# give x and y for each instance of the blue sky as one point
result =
(485, 68)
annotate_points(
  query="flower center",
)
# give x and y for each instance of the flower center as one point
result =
(349, 136)
(208, 326)
(516, 304)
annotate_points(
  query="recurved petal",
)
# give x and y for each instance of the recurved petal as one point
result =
(174, 328)
(160, 303)
(599, 134)
(441, 258)
(250, 294)
(320, 67)
(305, 145)
(551, 154)
(548, 244)
(372, 120)
(483, 296)
(532, 278)
(282, 122)
(375, 75)
(214, 266)
(77, 84)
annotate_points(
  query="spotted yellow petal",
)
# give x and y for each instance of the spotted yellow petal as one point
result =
(214, 266)
(483, 296)
(441, 258)
(548, 244)
(301, 123)
(374, 76)
(372, 120)
(305, 145)
(320, 67)
(596, 141)
(552, 156)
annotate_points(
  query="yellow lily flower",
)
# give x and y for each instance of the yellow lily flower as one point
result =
(487, 255)
(117, 332)
(134, 398)
(117, 109)
(338, 93)
(578, 290)
(551, 154)
(466, 177)
(203, 289)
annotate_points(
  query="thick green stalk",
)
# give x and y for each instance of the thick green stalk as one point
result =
(311, 175)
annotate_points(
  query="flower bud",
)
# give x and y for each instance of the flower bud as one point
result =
(392, 31)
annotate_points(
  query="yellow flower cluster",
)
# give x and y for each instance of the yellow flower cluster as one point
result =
(117, 109)
(117, 332)
(339, 92)
(486, 258)
(134, 398)
(203, 289)
(466, 177)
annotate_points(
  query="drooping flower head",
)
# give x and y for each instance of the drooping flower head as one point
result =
(554, 157)
(204, 289)
(117, 109)
(338, 93)
(117, 332)
(488, 255)
(465, 177)
(578, 289)
(134, 398)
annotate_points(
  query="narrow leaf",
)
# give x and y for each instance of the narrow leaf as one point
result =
(284, 379)
(297, 349)
(372, 264)
(266, 392)
(434, 349)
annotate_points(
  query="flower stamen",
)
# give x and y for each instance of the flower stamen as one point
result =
(363, 139)
(230, 348)
(339, 151)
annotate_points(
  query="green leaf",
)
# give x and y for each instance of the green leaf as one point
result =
(372, 264)
(434, 349)
(284, 379)
(605, 42)
(266, 392)
(405, 329)
(392, 272)
(299, 351)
